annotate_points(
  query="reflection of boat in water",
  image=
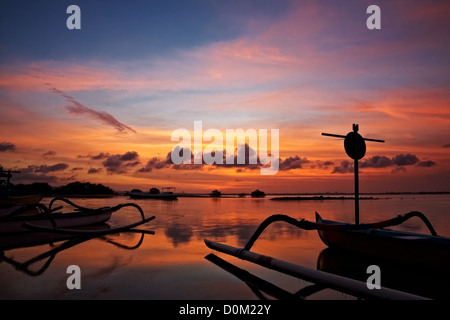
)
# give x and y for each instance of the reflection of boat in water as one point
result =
(414, 249)
(19, 228)
(342, 272)
(166, 194)
(32, 238)
(322, 279)
(420, 280)
(259, 286)
(67, 241)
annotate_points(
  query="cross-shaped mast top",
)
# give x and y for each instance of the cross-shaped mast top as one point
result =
(355, 147)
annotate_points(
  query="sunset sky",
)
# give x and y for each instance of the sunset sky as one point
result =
(99, 104)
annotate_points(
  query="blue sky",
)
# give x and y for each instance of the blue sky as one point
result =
(123, 29)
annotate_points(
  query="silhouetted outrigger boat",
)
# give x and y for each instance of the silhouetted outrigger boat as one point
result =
(372, 240)
(20, 228)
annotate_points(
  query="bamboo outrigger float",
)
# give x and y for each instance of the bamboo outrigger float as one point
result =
(373, 240)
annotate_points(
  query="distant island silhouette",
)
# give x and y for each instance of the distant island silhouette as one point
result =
(320, 198)
(73, 189)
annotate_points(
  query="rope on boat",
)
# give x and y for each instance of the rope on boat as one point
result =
(308, 225)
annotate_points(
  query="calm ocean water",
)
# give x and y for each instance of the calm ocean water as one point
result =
(171, 263)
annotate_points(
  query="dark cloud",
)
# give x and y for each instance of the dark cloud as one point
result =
(322, 164)
(99, 156)
(35, 173)
(376, 162)
(7, 146)
(346, 166)
(49, 153)
(426, 164)
(154, 163)
(129, 156)
(241, 162)
(405, 159)
(30, 177)
(398, 162)
(45, 169)
(119, 163)
(286, 164)
(292, 163)
(94, 170)
(77, 108)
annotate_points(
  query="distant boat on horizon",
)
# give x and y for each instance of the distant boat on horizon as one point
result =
(153, 194)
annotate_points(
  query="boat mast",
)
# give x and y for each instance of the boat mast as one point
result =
(355, 147)
(7, 175)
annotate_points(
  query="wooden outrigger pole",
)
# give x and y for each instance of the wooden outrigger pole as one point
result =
(355, 147)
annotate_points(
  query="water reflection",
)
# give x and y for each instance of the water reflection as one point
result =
(156, 268)
(263, 288)
(41, 261)
(427, 282)
(179, 233)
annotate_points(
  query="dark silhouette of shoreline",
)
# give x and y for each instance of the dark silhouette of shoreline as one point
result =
(88, 189)
(73, 189)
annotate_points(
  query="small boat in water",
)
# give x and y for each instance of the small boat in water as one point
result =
(166, 194)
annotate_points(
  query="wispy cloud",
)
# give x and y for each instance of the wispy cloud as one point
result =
(78, 108)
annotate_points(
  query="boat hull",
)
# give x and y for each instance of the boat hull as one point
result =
(20, 200)
(405, 247)
(158, 196)
(61, 220)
